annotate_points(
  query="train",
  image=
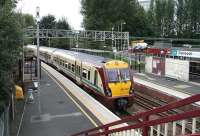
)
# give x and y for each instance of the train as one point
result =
(110, 81)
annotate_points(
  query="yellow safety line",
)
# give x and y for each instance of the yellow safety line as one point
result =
(64, 90)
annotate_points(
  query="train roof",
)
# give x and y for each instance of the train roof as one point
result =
(89, 50)
(29, 46)
(97, 61)
(85, 58)
(47, 49)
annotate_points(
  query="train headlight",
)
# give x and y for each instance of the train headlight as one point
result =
(131, 91)
(108, 92)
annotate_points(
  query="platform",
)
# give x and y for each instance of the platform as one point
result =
(59, 115)
(64, 108)
(173, 87)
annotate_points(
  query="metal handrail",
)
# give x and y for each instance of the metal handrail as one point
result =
(145, 116)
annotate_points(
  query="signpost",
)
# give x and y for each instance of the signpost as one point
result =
(190, 54)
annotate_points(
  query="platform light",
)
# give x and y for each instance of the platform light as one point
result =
(37, 13)
(122, 23)
(38, 58)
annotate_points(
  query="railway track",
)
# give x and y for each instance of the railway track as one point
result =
(149, 103)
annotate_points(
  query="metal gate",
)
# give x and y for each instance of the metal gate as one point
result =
(194, 71)
(158, 66)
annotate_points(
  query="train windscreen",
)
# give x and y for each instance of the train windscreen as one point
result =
(113, 75)
(116, 75)
(125, 75)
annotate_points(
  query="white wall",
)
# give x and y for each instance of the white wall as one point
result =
(178, 69)
(148, 65)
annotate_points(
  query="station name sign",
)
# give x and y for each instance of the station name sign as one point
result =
(191, 54)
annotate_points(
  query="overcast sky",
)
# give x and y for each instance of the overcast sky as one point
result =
(60, 8)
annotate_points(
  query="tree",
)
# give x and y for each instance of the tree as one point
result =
(62, 43)
(62, 24)
(10, 40)
(151, 17)
(175, 18)
(188, 20)
(104, 14)
(48, 22)
(161, 16)
(29, 20)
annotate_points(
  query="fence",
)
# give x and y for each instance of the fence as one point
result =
(4, 122)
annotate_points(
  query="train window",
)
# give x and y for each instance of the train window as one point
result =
(84, 73)
(73, 67)
(95, 78)
(79, 70)
(63, 63)
(69, 66)
(88, 75)
(60, 61)
(66, 65)
(76, 69)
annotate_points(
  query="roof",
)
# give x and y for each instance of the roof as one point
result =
(85, 58)
(89, 50)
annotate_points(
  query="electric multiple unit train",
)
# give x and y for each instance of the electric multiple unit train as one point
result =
(110, 81)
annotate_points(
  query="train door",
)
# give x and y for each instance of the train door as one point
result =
(78, 72)
(75, 70)
(81, 72)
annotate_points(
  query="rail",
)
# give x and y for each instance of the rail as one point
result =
(142, 124)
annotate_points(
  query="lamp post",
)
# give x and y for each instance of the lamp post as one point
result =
(38, 42)
(104, 51)
(113, 47)
(38, 57)
(122, 23)
(112, 36)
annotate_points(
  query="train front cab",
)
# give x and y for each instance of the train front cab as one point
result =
(119, 83)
